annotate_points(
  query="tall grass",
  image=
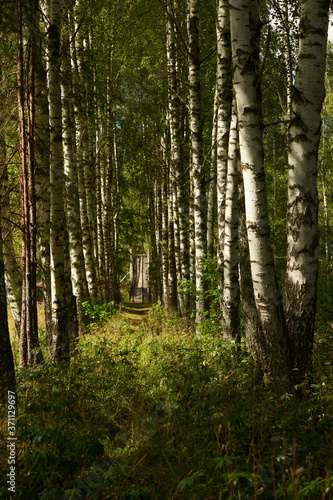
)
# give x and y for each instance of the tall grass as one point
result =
(159, 412)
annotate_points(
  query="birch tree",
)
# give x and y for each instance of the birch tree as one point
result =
(78, 275)
(224, 92)
(302, 205)
(63, 317)
(7, 370)
(275, 342)
(29, 344)
(177, 175)
(197, 168)
(230, 318)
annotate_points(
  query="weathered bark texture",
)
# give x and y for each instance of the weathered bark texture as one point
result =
(78, 275)
(267, 296)
(230, 318)
(13, 272)
(29, 345)
(197, 167)
(176, 161)
(42, 181)
(302, 204)
(224, 91)
(64, 326)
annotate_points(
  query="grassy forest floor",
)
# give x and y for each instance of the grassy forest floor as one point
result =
(146, 409)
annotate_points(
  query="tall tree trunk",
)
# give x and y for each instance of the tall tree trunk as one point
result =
(165, 229)
(7, 370)
(177, 177)
(42, 180)
(13, 273)
(63, 326)
(230, 318)
(172, 269)
(78, 275)
(251, 318)
(197, 171)
(275, 345)
(224, 92)
(29, 345)
(302, 205)
(85, 181)
(211, 195)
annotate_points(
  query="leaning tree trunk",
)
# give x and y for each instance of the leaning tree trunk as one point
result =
(302, 205)
(275, 345)
(197, 171)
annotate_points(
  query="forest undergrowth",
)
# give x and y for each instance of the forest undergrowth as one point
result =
(159, 412)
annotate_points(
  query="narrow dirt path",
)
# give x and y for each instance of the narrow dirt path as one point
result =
(135, 312)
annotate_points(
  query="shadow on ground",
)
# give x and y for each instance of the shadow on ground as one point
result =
(135, 312)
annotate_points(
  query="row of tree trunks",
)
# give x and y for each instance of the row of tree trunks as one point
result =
(284, 341)
(29, 345)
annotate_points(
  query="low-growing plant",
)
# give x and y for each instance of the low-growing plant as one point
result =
(99, 313)
(164, 412)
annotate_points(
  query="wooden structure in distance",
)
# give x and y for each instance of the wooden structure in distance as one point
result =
(139, 277)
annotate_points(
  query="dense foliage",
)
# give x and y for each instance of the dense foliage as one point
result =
(159, 412)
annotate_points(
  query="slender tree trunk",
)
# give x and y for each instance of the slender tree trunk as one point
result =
(13, 273)
(29, 345)
(78, 275)
(302, 212)
(275, 345)
(63, 316)
(224, 92)
(197, 172)
(165, 231)
(116, 213)
(172, 269)
(7, 370)
(251, 318)
(85, 174)
(230, 321)
(212, 194)
(42, 180)
(177, 177)
(323, 180)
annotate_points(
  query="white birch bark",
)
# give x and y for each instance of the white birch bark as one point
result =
(302, 203)
(42, 179)
(211, 195)
(82, 143)
(224, 92)
(61, 298)
(78, 275)
(197, 171)
(267, 296)
(13, 275)
(177, 176)
(230, 318)
(165, 225)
